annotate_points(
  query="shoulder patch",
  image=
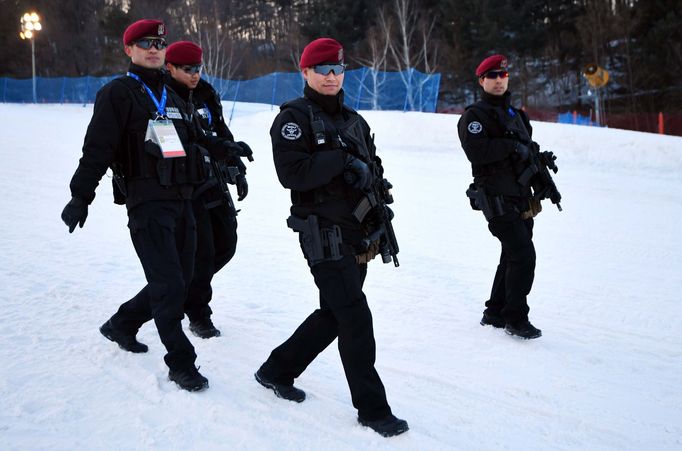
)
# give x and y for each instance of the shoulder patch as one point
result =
(475, 127)
(291, 131)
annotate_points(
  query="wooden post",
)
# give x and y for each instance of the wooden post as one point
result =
(661, 127)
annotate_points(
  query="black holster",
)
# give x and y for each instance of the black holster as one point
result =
(491, 206)
(319, 244)
(119, 186)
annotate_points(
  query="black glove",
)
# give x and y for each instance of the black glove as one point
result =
(379, 214)
(242, 187)
(356, 173)
(74, 213)
(522, 150)
(248, 153)
(230, 149)
(389, 213)
(548, 155)
(549, 159)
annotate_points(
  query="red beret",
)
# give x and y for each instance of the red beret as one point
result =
(142, 29)
(495, 62)
(183, 52)
(322, 50)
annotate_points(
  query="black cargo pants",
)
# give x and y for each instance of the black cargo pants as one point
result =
(344, 313)
(164, 236)
(516, 270)
(216, 245)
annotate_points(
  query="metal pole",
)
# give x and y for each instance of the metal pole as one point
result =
(597, 112)
(33, 60)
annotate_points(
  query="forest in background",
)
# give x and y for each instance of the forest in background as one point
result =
(548, 43)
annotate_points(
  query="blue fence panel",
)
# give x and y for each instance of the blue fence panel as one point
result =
(290, 85)
(18, 91)
(365, 89)
(567, 118)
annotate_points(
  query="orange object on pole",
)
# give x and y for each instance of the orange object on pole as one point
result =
(575, 117)
(661, 127)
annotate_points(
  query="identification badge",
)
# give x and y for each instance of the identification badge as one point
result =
(163, 133)
(173, 113)
(203, 112)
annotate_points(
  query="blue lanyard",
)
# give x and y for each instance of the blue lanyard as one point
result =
(208, 113)
(160, 105)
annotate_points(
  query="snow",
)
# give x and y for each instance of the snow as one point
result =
(605, 374)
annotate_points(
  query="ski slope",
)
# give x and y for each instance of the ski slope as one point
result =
(607, 296)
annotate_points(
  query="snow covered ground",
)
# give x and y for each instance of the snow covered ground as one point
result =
(605, 374)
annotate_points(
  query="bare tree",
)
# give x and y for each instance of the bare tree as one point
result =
(376, 62)
(210, 28)
(409, 44)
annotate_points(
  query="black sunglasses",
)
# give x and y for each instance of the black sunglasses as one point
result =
(494, 74)
(324, 69)
(147, 43)
(191, 69)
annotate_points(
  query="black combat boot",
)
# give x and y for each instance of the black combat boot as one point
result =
(124, 340)
(288, 392)
(189, 379)
(493, 320)
(204, 328)
(387, 426)
(523, 329)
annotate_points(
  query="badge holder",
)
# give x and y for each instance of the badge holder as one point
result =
(162, 132)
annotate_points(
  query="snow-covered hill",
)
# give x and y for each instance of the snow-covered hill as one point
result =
(605, 374)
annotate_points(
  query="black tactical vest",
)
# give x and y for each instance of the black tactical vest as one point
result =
(501, 122)
(332, 133)
(508, 118)
(138, 159)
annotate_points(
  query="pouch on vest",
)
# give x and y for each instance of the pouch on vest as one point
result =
(164, 167)
(199, 167)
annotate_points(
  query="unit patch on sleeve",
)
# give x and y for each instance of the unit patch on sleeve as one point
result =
(475, 127)
(291, 131)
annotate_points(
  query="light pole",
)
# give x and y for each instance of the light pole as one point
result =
(30, 25)
(597, 77)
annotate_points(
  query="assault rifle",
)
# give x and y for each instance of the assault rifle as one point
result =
(225, 174)
(538, 176)
(376, 200)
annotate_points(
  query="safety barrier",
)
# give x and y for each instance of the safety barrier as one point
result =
(365, 89)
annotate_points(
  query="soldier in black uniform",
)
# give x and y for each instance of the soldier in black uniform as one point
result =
(495, 137)
(156, 182)
(316, 139)
(214, 211)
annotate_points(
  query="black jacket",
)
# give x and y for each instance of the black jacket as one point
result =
(489, 131)
(207, 106)
(116, 138)
(208, 112)
(313, 172)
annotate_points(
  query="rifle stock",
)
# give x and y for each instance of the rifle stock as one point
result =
(379, 198)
